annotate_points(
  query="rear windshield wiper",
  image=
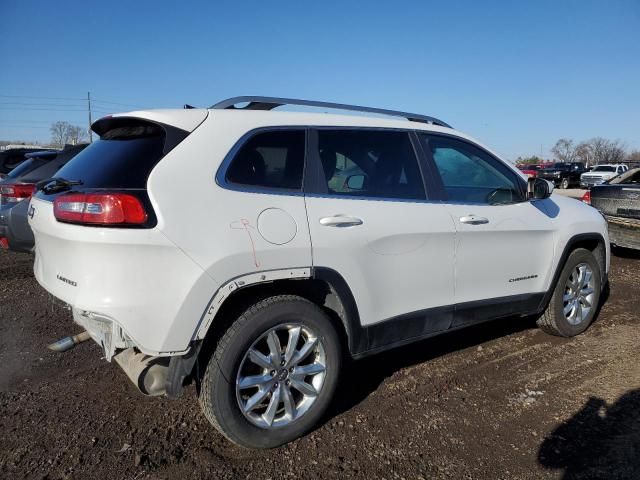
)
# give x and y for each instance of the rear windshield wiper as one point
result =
(56, 184)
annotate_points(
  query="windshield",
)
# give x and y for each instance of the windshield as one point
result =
(604, 168)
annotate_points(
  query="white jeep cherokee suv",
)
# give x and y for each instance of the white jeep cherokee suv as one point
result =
(252, 250)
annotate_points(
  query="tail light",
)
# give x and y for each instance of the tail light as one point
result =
(4, 243)
(15, 192)
(99, 209)
(586, 198)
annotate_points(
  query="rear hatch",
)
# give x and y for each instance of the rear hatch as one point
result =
(98, 246)
(96, 207)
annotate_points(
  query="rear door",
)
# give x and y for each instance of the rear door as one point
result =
(504, 244)
(371, 221)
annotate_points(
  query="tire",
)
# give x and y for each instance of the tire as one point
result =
(221, 395)
(554, 320)
(564, 184)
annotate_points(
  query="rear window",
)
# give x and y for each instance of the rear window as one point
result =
(122, 158)
(26, 166)
(49, 168)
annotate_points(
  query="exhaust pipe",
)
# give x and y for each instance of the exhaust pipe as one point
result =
(147, 373)
(67, 343)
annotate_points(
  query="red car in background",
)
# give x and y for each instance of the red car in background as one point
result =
(531, 169)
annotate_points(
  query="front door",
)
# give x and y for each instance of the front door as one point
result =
(504, 243)
(371, 222)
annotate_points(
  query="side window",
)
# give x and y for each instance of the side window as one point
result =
(272, 159)
(370, 163)
(470, 175)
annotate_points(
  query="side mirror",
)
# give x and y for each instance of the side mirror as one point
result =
(355, 182)
(538, 189)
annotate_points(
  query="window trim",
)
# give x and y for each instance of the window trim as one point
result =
(316, 185)
(221, 173)
(520, 182)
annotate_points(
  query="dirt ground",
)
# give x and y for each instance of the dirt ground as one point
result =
(500, 400)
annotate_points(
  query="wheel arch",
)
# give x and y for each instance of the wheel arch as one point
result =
(595, 243)
(324, 287)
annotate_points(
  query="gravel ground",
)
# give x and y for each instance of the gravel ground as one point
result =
(500, 400)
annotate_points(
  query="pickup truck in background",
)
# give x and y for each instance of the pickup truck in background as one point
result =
(563, 175)
(619, 201)
(601, 173)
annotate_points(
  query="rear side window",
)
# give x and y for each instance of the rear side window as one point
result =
(370, 163)
(272, 159)
(122, 158)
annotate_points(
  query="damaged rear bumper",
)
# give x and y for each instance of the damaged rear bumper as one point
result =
(152, 375)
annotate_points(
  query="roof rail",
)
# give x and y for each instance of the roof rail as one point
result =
(269, 103)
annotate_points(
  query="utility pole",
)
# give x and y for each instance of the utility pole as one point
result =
(89, 109)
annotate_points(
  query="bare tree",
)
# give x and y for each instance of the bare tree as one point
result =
(584, 153)
(63, 133)
(59, 133)
(564, 151)
(607, 151)
(634, 156)
(76, 135)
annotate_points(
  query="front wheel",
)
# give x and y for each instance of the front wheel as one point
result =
(565, 183)
(273, 373)
(576, 297)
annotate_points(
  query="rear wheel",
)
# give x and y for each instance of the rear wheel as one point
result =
(576, 297)
(273, 373)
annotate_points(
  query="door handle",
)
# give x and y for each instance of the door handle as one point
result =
(473, 220)
(340, 221)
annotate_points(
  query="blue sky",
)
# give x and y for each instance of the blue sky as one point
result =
(516, 75)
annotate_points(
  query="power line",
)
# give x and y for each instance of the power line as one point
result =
(25, 121)
(44, 109)
(40, 104)
(115, 103)
(23, 126)
(41, 98)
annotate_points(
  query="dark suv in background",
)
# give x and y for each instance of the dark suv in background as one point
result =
(563, 175)
(16, 190)
(11, 158)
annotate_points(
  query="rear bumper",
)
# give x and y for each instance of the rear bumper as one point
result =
(127, 287)
(624, 232)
